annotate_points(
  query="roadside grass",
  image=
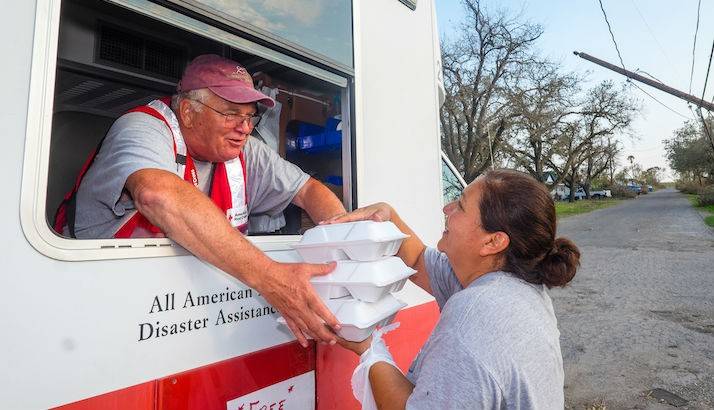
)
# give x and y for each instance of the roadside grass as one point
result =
(565, 209)
(709, 220)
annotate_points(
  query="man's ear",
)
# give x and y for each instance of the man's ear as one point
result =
(495, 243)
(186, 113)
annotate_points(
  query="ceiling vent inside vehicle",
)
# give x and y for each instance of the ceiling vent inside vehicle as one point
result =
(138, 53)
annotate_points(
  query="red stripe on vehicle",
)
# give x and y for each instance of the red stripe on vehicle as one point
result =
(209, 387)
(139, 397)
(335, 364)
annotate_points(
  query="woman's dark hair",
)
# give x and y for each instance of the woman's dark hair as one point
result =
(517, 204)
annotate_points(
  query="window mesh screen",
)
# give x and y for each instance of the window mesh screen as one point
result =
(120, 47)
(164, 59)
(144, 55)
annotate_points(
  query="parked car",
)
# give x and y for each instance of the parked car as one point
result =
(579, 194)
(594, 194)
(634, 187)
(602, 193)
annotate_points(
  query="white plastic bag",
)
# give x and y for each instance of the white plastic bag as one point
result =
(269, 131)
(377, 352)
(269, 126)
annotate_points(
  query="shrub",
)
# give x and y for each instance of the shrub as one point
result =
(688, 187)
(621, 191)
(706, 196)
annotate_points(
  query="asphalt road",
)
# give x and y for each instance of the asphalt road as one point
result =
(639, 314)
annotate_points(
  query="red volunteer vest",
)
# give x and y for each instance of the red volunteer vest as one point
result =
(228, 186)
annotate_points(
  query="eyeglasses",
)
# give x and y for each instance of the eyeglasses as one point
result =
(233, 120)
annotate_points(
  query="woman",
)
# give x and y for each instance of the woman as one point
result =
(496, 343)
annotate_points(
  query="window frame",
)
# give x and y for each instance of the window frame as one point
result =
(450, 166)
(412, 4)
(38, 132)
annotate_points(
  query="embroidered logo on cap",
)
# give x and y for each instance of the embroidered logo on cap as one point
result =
(240, 74)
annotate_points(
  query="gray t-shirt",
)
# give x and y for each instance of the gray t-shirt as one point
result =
(139, 141)
(496, 345)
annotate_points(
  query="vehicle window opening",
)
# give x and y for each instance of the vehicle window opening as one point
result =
(451, 185)
(111, 59)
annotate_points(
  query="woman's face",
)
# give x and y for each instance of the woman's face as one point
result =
(463, 232)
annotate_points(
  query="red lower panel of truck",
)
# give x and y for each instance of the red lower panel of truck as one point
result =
(335, 364)
(211, 387)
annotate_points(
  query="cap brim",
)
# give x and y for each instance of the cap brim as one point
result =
(242, 95)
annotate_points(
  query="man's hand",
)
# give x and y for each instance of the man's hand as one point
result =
(287, 287)
(189, 217)
(380, 212)
(356, 347)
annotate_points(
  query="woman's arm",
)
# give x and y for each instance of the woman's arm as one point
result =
(390, 388)
(412, 249)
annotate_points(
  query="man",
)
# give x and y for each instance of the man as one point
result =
(188, 169)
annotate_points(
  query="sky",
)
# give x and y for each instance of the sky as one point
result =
(655, 36)
(319, 25)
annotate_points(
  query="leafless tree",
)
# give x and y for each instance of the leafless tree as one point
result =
(599, 156)
(544, 99)
(487, 59)
(606, 112)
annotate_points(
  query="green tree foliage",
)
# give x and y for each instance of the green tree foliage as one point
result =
(690, 154)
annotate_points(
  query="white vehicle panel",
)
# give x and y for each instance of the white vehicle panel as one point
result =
(397, 121)
(72, 329)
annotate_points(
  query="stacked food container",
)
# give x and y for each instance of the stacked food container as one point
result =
(359, 290)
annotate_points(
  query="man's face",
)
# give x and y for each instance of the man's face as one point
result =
(220, 130)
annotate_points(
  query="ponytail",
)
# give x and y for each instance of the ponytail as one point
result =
(516, 204)
(558, 266)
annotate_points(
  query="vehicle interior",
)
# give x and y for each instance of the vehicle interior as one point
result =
(111, 59)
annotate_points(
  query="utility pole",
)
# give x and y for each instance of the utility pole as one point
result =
(656, 84)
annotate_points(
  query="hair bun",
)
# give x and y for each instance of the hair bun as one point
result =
(559, 265)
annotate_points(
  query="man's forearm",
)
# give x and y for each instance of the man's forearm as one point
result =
(318, 201)
(190, 218)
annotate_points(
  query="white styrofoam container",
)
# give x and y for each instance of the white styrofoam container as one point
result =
(367, 281)
(359, 319)
(361, 241)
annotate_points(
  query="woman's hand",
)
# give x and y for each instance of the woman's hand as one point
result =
(379, 212)
(357, 347)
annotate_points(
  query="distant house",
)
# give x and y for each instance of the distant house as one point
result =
(549, 177)
(560, 191)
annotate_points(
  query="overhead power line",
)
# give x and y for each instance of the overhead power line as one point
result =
(709, 66)
(612, 35)
(637, 70)
(654, 37)
(694, 47)
(652, 97)
(660, 102)
(704, 90)
(656, 84)
(622, 63)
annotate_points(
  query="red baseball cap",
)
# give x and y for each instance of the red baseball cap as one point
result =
(226, 78)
